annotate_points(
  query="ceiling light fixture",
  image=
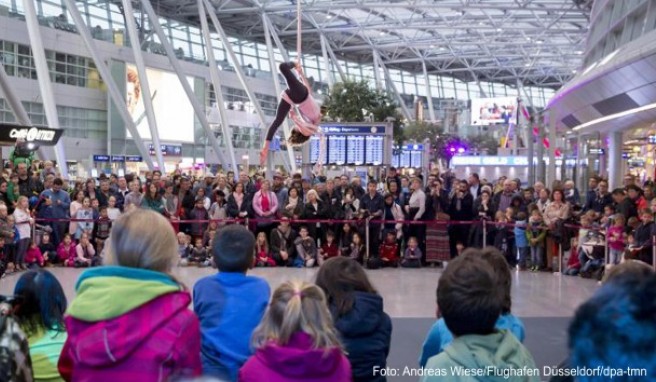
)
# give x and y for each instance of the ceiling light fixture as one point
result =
(615, 116)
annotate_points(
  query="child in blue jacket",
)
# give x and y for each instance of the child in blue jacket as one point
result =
(229, 304)
(521, 241)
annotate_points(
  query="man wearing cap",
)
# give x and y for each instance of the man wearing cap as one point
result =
(279, 188)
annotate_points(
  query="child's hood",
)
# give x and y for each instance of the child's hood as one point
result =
(100, 331)
(500, 349)
(108, 292)
(298, 359)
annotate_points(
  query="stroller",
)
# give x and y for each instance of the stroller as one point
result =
(15, 361)
(593, 254)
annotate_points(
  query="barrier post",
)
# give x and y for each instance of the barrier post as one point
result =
(34, 230)
(560, 259)
(653, 252)
(366, 240)
(484, 233)
(606, 250)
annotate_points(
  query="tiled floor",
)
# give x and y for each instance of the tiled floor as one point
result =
(406, 292)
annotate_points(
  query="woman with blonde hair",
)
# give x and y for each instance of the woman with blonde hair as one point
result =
(296, 340)
(130, 319)
(24, 224)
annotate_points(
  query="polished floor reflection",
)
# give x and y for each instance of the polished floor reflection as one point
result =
(406, 292)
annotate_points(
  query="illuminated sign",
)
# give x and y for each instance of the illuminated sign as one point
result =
(42, 136)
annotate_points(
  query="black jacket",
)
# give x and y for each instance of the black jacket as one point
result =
(278, 242)
(466, 211)
(366, 332)
(233, 210)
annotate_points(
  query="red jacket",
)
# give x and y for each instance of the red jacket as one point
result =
(330, 251)
(34, 256)
(389, 251)
(66, 254)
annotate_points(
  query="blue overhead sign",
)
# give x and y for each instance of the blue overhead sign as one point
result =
(101, 158)
(341, 129)
(118, 158)
(133, 158)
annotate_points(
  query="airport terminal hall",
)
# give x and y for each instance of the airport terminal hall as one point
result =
(327, 190)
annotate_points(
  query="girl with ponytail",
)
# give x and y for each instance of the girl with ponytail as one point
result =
(296, 340)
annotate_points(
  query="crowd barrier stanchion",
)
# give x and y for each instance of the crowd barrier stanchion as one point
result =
(653, 252)
(366, 238)
(484, 233)
(606, 250)
(560, 260)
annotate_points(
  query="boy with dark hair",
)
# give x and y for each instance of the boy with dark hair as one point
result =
(470, 301)
(229, 304)
(439, 336)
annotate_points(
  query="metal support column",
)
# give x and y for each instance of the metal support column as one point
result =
(143, 80)
(551, 168)
(112, 88)
(198, 109)
(15, 105)
(429, 92)
(233, 60)
(326, 61)
(615, 159)
(404, 108)
(530, 138)
(541, 176)
(216, 82)
(268, 32)
(43, 76)
(379, 83)
(342, 75)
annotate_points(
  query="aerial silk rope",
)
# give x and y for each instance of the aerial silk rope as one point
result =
(322, 139)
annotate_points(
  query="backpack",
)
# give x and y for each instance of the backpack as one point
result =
(15, 361)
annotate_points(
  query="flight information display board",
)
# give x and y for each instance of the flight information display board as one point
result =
(356, 149)
(350, 144)
(337, 150)
(315, 148)
(408, 156)
(374, 150)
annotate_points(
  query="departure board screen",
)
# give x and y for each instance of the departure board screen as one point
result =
(374, 150)
(356, 148)
(405, 159)
(315, 148)
(415, 158)
(337, 150)
(349, 144)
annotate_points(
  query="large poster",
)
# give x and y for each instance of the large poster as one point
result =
(490, 111)
(173, 111)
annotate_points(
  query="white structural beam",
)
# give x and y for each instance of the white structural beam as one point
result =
(235, 63)
(112, 88)
(143, 80)
(43, 77)
(376, 63)
(429, 92)
(390, 83)
(218, 92)
(198, 109)
(15, 104)
(268, 32)
(326, 61)
(529, 129)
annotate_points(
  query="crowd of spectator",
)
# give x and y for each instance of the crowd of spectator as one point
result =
(130, 320)
(392, 221)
